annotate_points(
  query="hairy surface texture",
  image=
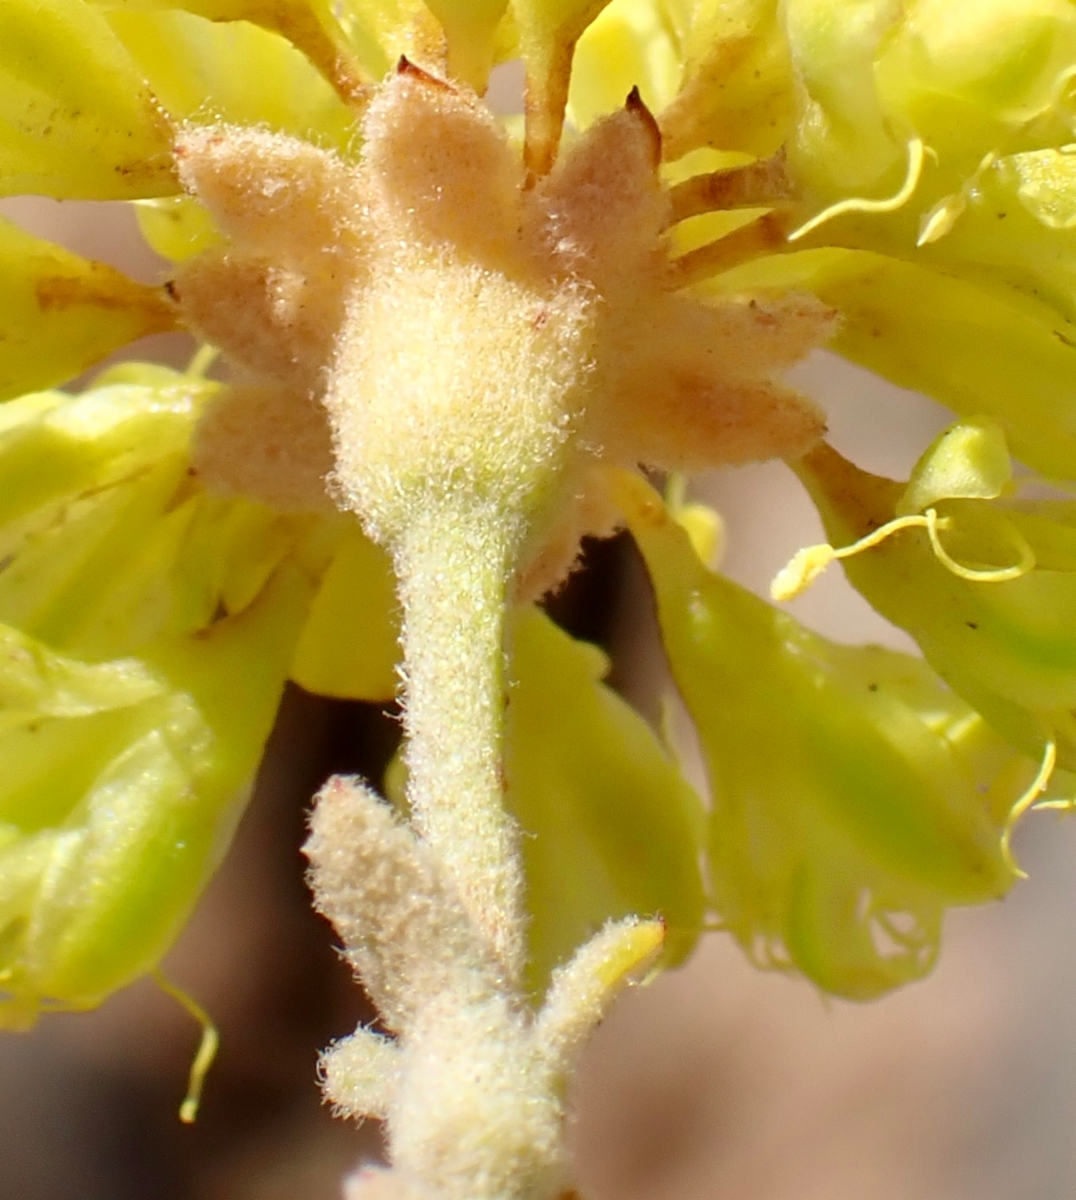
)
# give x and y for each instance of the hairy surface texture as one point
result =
(456, 351)
(449, 320)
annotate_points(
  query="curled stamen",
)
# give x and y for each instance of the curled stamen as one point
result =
(207, 1047)
(1000, 575)
(917, 152)
(1037, 787)
(912, 939)
(807, 564)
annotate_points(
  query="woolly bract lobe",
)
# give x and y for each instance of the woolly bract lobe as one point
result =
(470, 336)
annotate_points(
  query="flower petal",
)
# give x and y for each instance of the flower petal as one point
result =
(313, 27)
(349, 647)
(76, 118)
(969, 460)
(841, 794)
(60, 313)
(548, 32)
(108, 541)
(736, 89)
(115, 820)
(610, 826)
(471, 29)
(383, 30)
(1009, 648)
(214, 73)
(627, 46)
(979, 346)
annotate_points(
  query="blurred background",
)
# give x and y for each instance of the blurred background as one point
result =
(717, 1081)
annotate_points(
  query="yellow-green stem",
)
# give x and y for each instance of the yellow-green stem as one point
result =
(453, 565)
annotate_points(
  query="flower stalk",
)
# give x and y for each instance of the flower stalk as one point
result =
(454, 570)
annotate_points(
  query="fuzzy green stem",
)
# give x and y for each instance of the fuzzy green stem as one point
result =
(453, 566)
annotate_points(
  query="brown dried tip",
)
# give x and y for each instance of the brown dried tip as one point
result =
(635, 105)
(406, 67)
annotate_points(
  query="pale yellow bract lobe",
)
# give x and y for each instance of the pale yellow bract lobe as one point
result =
(471, 333)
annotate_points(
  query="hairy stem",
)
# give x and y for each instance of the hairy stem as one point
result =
(453, 568)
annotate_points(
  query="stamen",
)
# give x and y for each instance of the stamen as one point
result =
(702, 524)
(944, 215)
(807, 564)
(916, 153)
(1038, 785)
(207, 1047)
(204, 357)
(1000, 575)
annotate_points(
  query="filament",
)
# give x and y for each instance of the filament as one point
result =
(207, 1047)
(916, 153)
(807, 564)
(1037, 787)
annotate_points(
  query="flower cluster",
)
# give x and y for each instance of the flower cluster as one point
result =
(453, 338)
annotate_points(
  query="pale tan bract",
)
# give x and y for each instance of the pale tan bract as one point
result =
(434, 263)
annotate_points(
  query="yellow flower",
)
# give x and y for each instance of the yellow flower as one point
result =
(441, 323)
